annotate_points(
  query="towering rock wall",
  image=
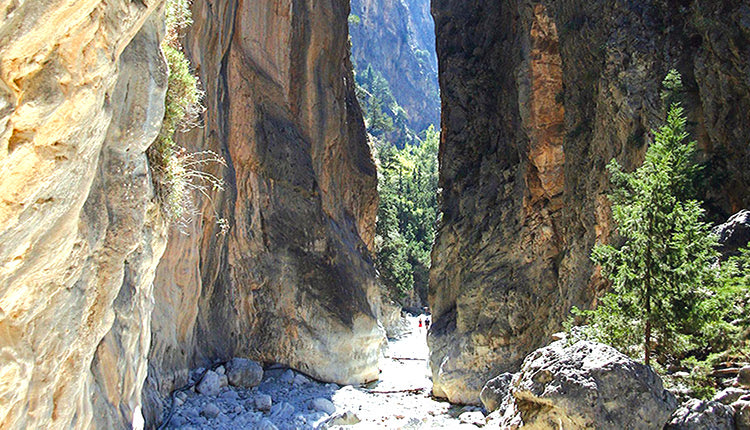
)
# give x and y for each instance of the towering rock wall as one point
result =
(292, 280)
(537, 97)
(82, 86)
(397, 39)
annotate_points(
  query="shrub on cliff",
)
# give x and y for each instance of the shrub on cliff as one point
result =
(178, 173)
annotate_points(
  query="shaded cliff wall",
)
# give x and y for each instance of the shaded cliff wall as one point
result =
(82, 87)
(537, 97)
(292, 280)
(397, 39)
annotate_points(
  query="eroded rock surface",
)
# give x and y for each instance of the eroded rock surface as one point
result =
(698, 414)
(585, 385)
(292, 280)
(82, 88)
(537, 97)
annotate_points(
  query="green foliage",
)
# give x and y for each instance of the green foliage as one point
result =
(354, 19)
(663, 276)
(384, 117)
(407, 186)
(178, 173)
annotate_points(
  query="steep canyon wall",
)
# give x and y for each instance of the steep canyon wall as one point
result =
(292, 280)
(82, 87)
(537, 97)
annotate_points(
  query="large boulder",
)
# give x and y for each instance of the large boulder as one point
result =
(586, 385)
(702, 415)
(244, 373)
(495, 391)
(734, 234)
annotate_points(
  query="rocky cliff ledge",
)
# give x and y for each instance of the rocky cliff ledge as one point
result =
(82, 88)
(292, 280)
(537, 97)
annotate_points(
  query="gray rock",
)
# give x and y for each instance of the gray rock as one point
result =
(495, 391)
(210, 410)
(743, 377)
(346, 418)
(221, 370)
(702, 415)
(323, 405)
(265, 424)
(287, 376)
(244, 373)
(210, 385)
(734, 234)
(300, 379)
(282, 410)
(263, 402)
(741, 414)
(586, 385)
(730, 395)
(229, 395)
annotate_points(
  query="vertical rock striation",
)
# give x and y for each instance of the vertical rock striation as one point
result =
(537, 97)
(82, 88)
(292, 280)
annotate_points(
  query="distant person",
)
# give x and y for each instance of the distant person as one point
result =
(420, 322)
(427, 323)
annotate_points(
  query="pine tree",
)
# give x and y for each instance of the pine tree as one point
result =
(664, 268)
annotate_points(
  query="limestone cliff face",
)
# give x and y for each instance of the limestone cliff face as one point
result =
(82, 88)
(537, 97)
(292, 280)
(397, 39)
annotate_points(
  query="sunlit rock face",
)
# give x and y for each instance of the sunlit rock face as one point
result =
(397, 38)
(537, 97)
(82, 87)
(292, 280)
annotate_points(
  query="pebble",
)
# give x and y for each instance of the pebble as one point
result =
(210, 410)
(300, 379)
(263, 402)
(287, 377)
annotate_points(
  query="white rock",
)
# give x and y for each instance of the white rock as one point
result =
(347, 418)
(730, 395)
(220, 370)
(323, 405)
(699, 415)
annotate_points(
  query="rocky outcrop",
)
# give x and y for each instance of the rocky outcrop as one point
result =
(397, 39)
(292, 280)
(698, 414)
(585, 385)
(537, 97)
(82, 88)
(734, 234)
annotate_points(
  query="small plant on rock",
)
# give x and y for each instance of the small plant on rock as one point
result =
(178, 173)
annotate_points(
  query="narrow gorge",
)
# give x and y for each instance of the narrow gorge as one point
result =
(111, 311)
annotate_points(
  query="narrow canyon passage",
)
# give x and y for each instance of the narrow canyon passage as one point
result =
(288, 400)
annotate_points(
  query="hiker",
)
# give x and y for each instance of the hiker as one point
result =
(420, 322)
(427, 323)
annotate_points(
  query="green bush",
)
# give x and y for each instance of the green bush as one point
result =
(177, 173)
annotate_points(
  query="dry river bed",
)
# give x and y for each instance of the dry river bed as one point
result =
(288, 400)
